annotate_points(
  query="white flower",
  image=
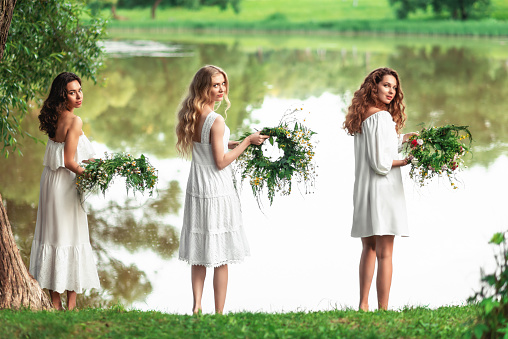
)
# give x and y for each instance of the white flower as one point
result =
(444, 167)
(419, 142)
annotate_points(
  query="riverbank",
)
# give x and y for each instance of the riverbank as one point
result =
(485, 28)
(444, 322)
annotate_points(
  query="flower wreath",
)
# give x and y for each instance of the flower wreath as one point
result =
(277, 175)
(438, 151)
(139, 174)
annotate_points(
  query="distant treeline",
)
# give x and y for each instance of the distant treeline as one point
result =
(97, 5)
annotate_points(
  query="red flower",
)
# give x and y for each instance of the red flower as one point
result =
(414, 143)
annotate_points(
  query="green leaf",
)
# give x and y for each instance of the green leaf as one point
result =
(497, 238)
(489, 304)
(479, 330)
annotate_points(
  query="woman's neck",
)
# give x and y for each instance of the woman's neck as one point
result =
(209, 108)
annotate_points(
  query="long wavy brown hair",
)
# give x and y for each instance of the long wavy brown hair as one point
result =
(366, 97)
(193, 105)
(55, 103)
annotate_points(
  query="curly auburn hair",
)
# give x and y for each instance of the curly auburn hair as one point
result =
(55, 103)
(366, 97)
(193, 105)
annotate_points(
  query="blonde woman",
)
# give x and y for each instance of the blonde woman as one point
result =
(212, 233)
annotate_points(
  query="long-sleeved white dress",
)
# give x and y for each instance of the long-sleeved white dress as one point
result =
(378, 199)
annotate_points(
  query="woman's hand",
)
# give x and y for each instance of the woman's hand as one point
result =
(406, 136)
(89, 160)
(403, 162)
(257, 138)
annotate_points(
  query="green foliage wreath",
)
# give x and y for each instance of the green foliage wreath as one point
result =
(277, 176)
(438, 151)
(139, 174)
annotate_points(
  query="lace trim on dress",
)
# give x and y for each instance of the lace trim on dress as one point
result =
(214, 265)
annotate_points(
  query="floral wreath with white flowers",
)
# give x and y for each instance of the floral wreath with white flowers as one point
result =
(139, 174)
(438, 151)
(277, 175)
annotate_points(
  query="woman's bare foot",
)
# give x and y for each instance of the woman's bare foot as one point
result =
(71, 300)
(364, 307)
(56, 300)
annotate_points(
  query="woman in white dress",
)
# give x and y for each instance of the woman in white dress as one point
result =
(212, 233)
(375, 118)
(61, 258)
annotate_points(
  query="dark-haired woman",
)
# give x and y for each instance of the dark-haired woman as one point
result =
(375, 117)
(61, 258)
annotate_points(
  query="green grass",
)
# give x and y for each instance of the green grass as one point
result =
(310, 15)
(444, 322)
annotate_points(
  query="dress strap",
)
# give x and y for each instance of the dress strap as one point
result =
(207, 126)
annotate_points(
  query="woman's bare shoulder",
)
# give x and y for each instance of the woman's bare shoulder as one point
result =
(371, 111)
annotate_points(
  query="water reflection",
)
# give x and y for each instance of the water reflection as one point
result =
(129, 225)
(442, 85)
(135, 241)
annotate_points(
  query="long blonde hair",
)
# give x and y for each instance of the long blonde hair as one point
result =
(193, 105)
(366, 97)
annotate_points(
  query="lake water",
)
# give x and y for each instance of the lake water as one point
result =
(302, 257)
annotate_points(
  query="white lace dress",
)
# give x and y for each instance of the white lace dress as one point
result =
(212, 233)
(61, 257)
(378, 198)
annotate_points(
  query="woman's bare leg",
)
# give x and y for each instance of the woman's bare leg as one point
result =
(71, 300)
(198, 274)
(367, 265)
(220, 287)
(384, 250)
(56, 300)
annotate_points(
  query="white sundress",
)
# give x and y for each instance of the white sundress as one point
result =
(212, 233)
(61, 258)
(378, 198)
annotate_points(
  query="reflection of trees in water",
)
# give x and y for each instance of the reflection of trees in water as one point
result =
(459, 86)
(137, 109)
(135, 228)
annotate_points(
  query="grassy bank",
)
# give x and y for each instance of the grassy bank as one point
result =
(445, 322)
(310, 16)
(400, 27)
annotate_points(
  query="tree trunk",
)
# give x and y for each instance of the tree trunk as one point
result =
(18, 288)
(154, 7)
(6, 9)
(115, 16)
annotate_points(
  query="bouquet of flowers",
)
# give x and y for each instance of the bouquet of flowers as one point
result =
(277, 175)
(139, 174)
(438, 151)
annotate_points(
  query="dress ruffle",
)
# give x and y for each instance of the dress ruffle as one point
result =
(76, 267)
(54, 156)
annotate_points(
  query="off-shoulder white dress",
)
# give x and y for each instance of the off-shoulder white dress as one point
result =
(61, 257)
(212, 233)
(378, 199)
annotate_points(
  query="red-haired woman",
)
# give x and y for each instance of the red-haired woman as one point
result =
(375, 118)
